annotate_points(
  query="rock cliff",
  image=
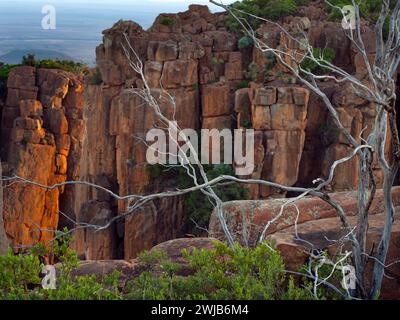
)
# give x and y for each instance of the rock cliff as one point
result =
(41, 133)
(56, 126)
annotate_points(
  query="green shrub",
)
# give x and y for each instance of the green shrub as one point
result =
(223, 273)
(268, 9)
(66, 65)
(369, 9)
(197, 206)
(245, 42)
(217, 61)
(252, 72)
(328, 133)
(17, 274)
(243, 84)
(4, 72)
(96, 77)
(167, 21)
(323, 56)
(20, 276)
(29, 60)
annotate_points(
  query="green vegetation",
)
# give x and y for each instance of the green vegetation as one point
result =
(323, 56)
(20, 276)
(223, 273)
(243, 84)
(29, 60)
(329, 133)
(66, 65)
(267, 9)
(217, 61)
(246, 123)
(167, 21)
(369, 9)
(245, 42)
(197, 207)
(96, 77)
(4, 72)
(252, 72)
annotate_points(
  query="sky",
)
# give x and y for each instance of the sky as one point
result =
(79, 24)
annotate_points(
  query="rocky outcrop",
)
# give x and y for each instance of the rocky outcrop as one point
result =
(278, 116)
(54, 129)
(38, 131)
(178, 58)
(129, 269)
(324, 234)
(247, 219)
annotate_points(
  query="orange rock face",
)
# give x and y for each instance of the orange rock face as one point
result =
(38, 150)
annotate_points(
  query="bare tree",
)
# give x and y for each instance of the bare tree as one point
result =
(379, 88)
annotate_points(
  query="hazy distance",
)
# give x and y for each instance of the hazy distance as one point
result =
(79, 25)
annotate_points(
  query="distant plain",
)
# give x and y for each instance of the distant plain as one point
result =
(79, 26)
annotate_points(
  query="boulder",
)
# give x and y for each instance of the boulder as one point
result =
(132, 268)
(247, 219)
(322, 234)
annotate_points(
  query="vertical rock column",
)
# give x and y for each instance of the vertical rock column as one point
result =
(278, 116)
(36, 136)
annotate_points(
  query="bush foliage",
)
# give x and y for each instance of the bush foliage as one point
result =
(267, 9)
(223, 273)
(20, 276)
(4, 72)
(197, 206)
(323, 56)
(30, 60)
